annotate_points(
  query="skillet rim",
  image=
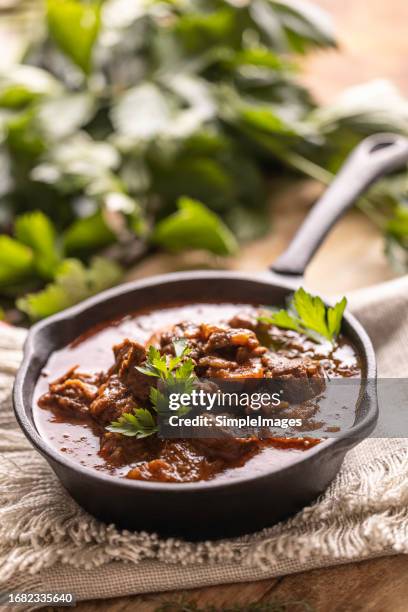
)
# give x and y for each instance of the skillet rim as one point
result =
(22, 408)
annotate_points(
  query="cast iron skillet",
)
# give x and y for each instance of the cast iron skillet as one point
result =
(211, 509)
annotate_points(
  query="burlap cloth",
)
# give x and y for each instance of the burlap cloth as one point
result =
(47, 543)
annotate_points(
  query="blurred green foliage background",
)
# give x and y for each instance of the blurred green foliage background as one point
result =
(131, 126)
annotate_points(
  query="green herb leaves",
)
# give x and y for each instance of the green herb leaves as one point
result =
(36, 231)
(142, 127)
(32, 254)
(308, 315)
(36, 255)
(75, 26)
(315, 316)
(16, 261)
(26, 84)
(163, 366)
(175, 374)
(139, 424)
(196, 227)
(73, 283)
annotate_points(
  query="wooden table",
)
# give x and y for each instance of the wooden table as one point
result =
(374, 45)
(380, 585)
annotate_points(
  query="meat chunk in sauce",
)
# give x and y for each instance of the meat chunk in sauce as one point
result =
(219, 351)
(125, 387)
(105, 397)
(194, 460)
(128, 356)
(231, 351)
(300, 379)
(235, 353)
(304, 377)
(175, 461)
(120, 450)
(112, 400)
(244, 320)
(226, 448)
(72, 393)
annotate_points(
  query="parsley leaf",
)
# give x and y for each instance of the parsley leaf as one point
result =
(311, 311)
(161, 366)
(308, 315)
(180, 347)
(176, 376)
(156, 364)
(140, 424)
(282, 319)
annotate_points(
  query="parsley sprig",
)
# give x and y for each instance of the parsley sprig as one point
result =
(308, 315)
(163, 366)
(140, 424)
(176, 375)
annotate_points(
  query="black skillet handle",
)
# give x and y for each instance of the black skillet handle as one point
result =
(376, 156)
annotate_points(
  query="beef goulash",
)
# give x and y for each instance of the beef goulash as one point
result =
(95, 381)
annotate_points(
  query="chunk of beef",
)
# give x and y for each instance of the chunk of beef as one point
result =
(127, 351)
(176, 461)
(300, 379)
(226, 448)
(242, 348)
(218, 351)
(112, 400)
(217, 367)
(72, 393)
(297, 443)
(185, 329)
(251, 369)
(193, 460)
(158, 470)
(210, 337)
(216, 363)
(279, 366)
(128, 356)
(120, 450)
(220, 337)
(244, 320)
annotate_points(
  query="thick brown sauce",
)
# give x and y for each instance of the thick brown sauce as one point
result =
(92, 352)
